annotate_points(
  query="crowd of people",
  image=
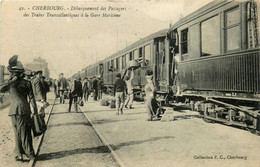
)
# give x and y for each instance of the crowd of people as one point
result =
(78, 90)
(28, 92)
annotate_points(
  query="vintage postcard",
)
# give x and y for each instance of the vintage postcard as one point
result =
(131, 83)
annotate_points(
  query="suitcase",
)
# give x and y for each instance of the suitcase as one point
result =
(113, 104)
(103, 102)
(133, 64)
(39, 126)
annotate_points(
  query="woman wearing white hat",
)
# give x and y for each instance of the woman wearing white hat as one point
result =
(151, 104)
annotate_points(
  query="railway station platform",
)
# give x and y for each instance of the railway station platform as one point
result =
(185, 141)
(96, 136)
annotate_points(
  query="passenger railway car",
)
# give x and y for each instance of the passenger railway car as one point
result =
(216, 62)
(142, 53)
(95, 70)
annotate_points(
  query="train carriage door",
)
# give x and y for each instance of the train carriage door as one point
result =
(161, 60)
(173, 52)
(101, 70)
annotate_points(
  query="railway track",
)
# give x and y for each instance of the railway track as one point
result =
(72, 140)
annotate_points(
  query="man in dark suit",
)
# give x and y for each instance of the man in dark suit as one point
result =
(100, 87)
(95, 88)
(75, 93)
(62, 87)
(39, 93)
(119, 93)
(46, 87)
(38, 89)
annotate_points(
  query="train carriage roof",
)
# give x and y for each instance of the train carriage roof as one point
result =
(160, 33)
(201, 11)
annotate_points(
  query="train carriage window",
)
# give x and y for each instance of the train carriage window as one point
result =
(147, 54)
(184, 41)
(136, 55)
(107, 66)
(140, 52)
(131, 56)
(117, 64)
(112, 64)
(123, 61)
(232, 29)
(210, 36)
(127, 58)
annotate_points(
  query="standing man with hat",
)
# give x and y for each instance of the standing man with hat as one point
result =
(85, 88)
(38, 87)
(100, 88)
(19, 111)
(75, 92)
(119, 93)
(39, 94)
(62, 87)
(46, 87)
(95, 88)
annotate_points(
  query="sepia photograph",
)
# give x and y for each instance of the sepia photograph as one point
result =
(129, 83)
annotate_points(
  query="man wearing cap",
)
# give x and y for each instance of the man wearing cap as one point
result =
(100, 87)
(39, 93)
(62, 87)
(95, 88)
(119, 93)
(46, 87)
(38, 87)
(75, 92)
(85, 88)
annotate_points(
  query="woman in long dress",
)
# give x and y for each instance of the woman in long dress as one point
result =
(151, 104)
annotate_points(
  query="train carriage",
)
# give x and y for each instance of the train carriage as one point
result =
(216, 62)
(94, 70)
(143, 54)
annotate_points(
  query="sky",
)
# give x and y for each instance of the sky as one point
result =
(71, 44)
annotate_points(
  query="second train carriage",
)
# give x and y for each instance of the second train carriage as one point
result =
(141, 53)
(147, 53)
